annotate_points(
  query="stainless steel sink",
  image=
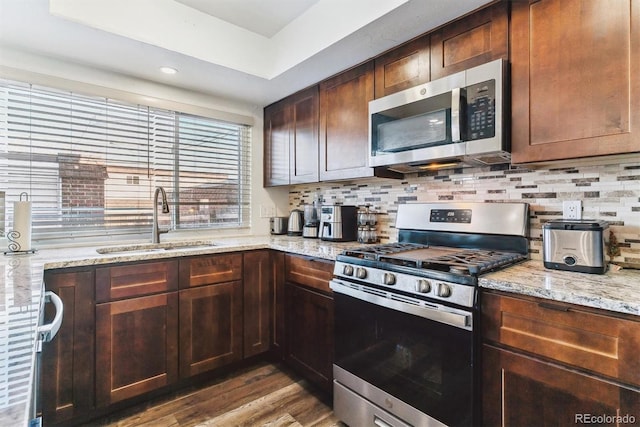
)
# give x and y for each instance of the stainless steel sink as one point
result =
(155, 247)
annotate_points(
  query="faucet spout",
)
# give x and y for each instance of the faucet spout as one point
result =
(155, 232)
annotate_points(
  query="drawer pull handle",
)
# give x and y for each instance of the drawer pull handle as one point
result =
(553, 306)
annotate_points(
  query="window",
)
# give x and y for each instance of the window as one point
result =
(91, 165)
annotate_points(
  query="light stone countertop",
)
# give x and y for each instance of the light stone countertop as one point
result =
(616, 290)
(21, 291)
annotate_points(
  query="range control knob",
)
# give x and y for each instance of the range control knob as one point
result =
(423, 286)
(389, 279)
(443, 290)
(347, 270)
(361, 273)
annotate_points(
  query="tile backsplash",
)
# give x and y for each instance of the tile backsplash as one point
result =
(608, 192)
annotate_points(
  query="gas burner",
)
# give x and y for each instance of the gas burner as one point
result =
(457, 269)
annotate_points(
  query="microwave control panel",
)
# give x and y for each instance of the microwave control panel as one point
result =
(481, 110)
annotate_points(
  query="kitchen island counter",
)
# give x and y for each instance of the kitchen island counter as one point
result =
(616, 290)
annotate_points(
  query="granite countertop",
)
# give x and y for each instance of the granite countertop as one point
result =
(616, 290)
(21, 289)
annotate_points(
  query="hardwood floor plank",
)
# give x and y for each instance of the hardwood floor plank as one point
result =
(264, 395)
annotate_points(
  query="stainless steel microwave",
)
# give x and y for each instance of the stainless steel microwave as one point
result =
(453, 121)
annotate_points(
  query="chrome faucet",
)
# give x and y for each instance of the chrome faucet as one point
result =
(155, 233)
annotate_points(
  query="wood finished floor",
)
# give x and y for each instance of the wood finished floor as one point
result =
(263, 395)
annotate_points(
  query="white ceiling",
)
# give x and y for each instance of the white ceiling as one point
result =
(266, 18)
(253, 51)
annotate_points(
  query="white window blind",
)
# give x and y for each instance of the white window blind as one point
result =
(91, 165)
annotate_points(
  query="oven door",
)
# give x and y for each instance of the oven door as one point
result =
(412, 358)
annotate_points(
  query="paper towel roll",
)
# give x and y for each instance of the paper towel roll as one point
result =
(20, 236)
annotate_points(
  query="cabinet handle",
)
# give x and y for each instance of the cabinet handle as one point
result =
(555, 307)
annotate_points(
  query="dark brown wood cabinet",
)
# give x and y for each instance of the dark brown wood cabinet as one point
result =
(135, 279)
(575, 72)
(291, 139)
(258, 290)
(472, 40)
(68, 363)
(520, 390)
(136, 346)
(344, 124)
(278, 335)
(277, 119)
(211, 312)
(210, 327)
(549, 361)
(403, 67)
(309, 318)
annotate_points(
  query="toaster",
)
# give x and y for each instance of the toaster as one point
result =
(575, 245)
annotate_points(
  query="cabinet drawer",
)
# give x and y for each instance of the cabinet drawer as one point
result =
(567, 333)
(313, 272)
(132, 280)
(210, 269)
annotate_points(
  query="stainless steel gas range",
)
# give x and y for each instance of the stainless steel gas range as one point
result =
(406, 335)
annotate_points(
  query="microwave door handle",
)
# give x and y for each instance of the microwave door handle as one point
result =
(456, 119)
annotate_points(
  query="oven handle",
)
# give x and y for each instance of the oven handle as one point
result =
(437, 313)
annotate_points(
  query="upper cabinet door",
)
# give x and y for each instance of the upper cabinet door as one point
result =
(403, 67)
(575, 75)
(344, 124)
(303, 149)
(476, 39)
(277, 119)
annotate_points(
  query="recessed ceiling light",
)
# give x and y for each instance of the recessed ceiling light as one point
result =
(168, 70)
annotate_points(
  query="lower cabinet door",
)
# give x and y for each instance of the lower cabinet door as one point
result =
(68, 364)
(210, 327)
(309, 326)
(136, 346)
(523, 391)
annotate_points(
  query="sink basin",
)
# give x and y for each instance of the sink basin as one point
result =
(154, 247)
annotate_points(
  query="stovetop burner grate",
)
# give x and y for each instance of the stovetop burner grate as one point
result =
(423, 257)
(375, 252)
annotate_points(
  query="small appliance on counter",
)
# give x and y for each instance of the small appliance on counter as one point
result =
(295, 223)
(279, 224)
(575, 245)
(367, 220)
(311, 222)
(338, 223)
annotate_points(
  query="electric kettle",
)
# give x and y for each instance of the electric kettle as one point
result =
(295, 223)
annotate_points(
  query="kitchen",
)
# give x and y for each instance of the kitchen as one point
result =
(588, 162)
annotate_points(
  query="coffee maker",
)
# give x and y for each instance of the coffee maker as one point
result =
(311, 222)
(338, 223)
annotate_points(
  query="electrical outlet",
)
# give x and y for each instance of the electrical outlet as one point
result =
(572, 209)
